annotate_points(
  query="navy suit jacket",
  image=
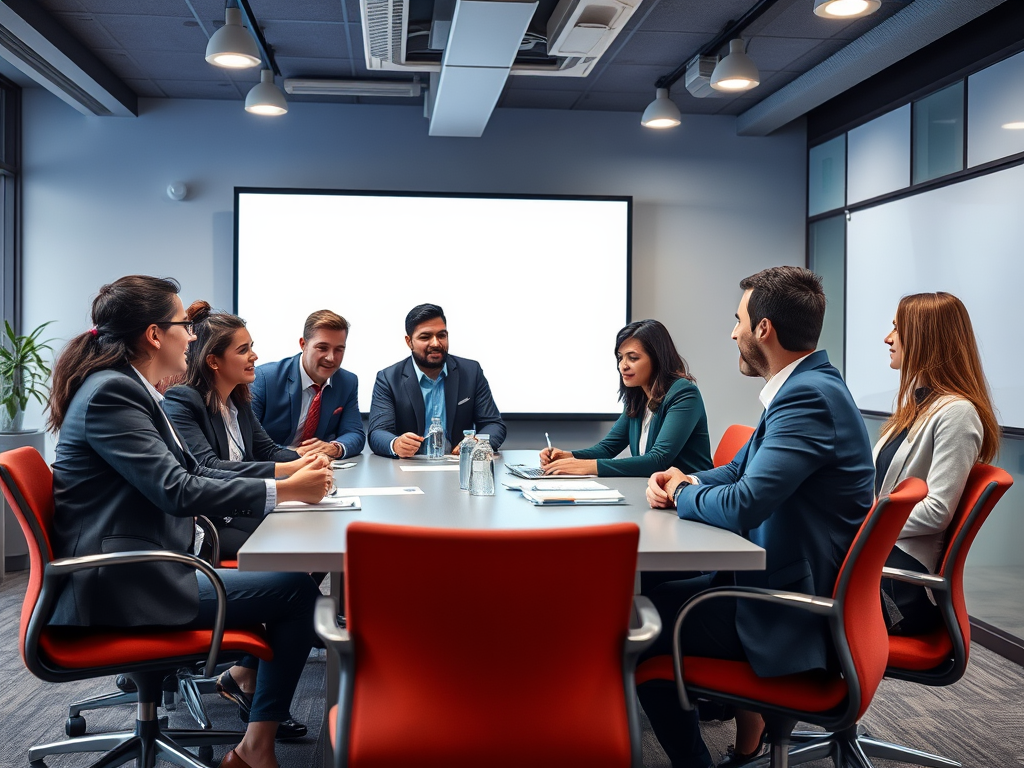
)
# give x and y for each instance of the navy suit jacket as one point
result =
(800, 488)
(206, 435)
(121, 483)
(277, 399)
(397, 405)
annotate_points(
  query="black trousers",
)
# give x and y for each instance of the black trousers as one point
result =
(710, 630)
(906, 607)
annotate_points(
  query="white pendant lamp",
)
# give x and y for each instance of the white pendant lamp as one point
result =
(265, 98)
(662, 112)
(232, 45)
(737, 71)
(845, 9)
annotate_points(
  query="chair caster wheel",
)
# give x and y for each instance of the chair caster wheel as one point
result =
(74, 726)
(206, 755)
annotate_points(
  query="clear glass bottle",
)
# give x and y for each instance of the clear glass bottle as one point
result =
(466, 456)
(435, 439)
(481, 480)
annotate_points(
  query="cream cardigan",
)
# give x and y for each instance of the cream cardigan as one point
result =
(940, 449)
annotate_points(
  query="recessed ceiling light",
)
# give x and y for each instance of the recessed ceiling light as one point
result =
(1016, 125)
(845, 9)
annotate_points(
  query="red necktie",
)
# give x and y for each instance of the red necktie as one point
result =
(313, 415)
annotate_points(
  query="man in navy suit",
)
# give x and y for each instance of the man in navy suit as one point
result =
(308, 402)
(800, 488)
(431, 383)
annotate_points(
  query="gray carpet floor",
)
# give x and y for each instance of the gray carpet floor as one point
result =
(978, 721)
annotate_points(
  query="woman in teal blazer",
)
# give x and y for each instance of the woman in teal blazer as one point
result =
(663, 422)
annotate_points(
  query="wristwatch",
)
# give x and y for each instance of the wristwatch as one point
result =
(682, 484)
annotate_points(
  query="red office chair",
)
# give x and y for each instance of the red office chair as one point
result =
(938, 658)
(145, 654)
(834, 700)
(734, 438)
(499, 648)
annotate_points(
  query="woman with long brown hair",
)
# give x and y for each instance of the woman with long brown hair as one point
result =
(122, 482)
(211, 411)
(663, 421)
(943, 423)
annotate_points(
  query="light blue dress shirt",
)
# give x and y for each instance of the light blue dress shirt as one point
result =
(433, 396)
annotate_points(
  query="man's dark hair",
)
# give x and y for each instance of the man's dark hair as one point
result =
(792, 298)
(420, 314)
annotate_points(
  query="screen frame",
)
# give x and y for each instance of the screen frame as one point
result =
(515, 416)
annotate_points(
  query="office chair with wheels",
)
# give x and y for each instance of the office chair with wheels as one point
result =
(145, 654)
(834, 699)
(940, 657)
(504, 648)
(734, 438)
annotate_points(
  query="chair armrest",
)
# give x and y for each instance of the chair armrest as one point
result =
(338, 640)
(929, 580)
(640, 638)
(821, 606)
(212, 536)
(325, 622)
(58, 569)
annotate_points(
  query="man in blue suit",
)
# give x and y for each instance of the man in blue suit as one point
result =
(800, 488)
(430, 383)
(308, 402)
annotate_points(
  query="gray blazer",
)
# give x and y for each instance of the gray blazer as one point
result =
(940, 449)
(121, 483)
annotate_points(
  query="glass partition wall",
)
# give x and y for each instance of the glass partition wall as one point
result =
(957, 132)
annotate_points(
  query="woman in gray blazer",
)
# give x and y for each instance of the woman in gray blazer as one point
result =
(123, 481)
(663, 422)
(212, 414)
(943, 423)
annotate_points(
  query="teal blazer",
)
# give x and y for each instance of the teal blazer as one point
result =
(678, 437)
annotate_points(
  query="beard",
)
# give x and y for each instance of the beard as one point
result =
(426, 365)
(753, 361)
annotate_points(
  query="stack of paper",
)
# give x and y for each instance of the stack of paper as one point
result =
(607, 496)
(553, 484)
(328, 503)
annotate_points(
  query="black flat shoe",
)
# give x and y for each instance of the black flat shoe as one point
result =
(734, 759)
(229, 689)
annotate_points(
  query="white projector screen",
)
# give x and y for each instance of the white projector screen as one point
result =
(966, 239)
(535, 289)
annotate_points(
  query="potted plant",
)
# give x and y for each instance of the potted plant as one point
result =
(23, 374)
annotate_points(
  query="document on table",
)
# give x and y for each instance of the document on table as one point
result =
(335, 502)
(429, 467)
(552, 498)
(554, 484)
(400, 490)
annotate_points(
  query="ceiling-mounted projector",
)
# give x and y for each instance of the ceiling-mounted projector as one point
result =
(698, 76)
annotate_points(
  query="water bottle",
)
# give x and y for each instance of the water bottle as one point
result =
(481, 480)
(435, 439)
(465, 457)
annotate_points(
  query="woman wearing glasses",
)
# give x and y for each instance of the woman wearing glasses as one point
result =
(123, 482)
(211, 411)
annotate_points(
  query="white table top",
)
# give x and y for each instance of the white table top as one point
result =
(315, 540)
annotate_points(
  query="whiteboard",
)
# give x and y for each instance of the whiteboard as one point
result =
(966, 239)
(533, 289)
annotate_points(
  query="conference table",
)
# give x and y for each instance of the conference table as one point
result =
(314, 540)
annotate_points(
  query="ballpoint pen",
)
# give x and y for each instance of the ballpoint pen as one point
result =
(548, 438)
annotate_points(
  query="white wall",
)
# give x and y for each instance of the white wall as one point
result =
(709, 207)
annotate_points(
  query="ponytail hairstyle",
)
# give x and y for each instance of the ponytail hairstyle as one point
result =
(121, 313)
(940, 353)
(214, 332)
(667, 366)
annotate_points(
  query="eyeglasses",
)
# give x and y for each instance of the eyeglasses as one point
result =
(186, 324)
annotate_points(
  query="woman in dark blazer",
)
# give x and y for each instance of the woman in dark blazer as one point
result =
(212, 414)
(122, 481)
(663, 422)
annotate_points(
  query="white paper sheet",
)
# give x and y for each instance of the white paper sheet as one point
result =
(401, 490)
